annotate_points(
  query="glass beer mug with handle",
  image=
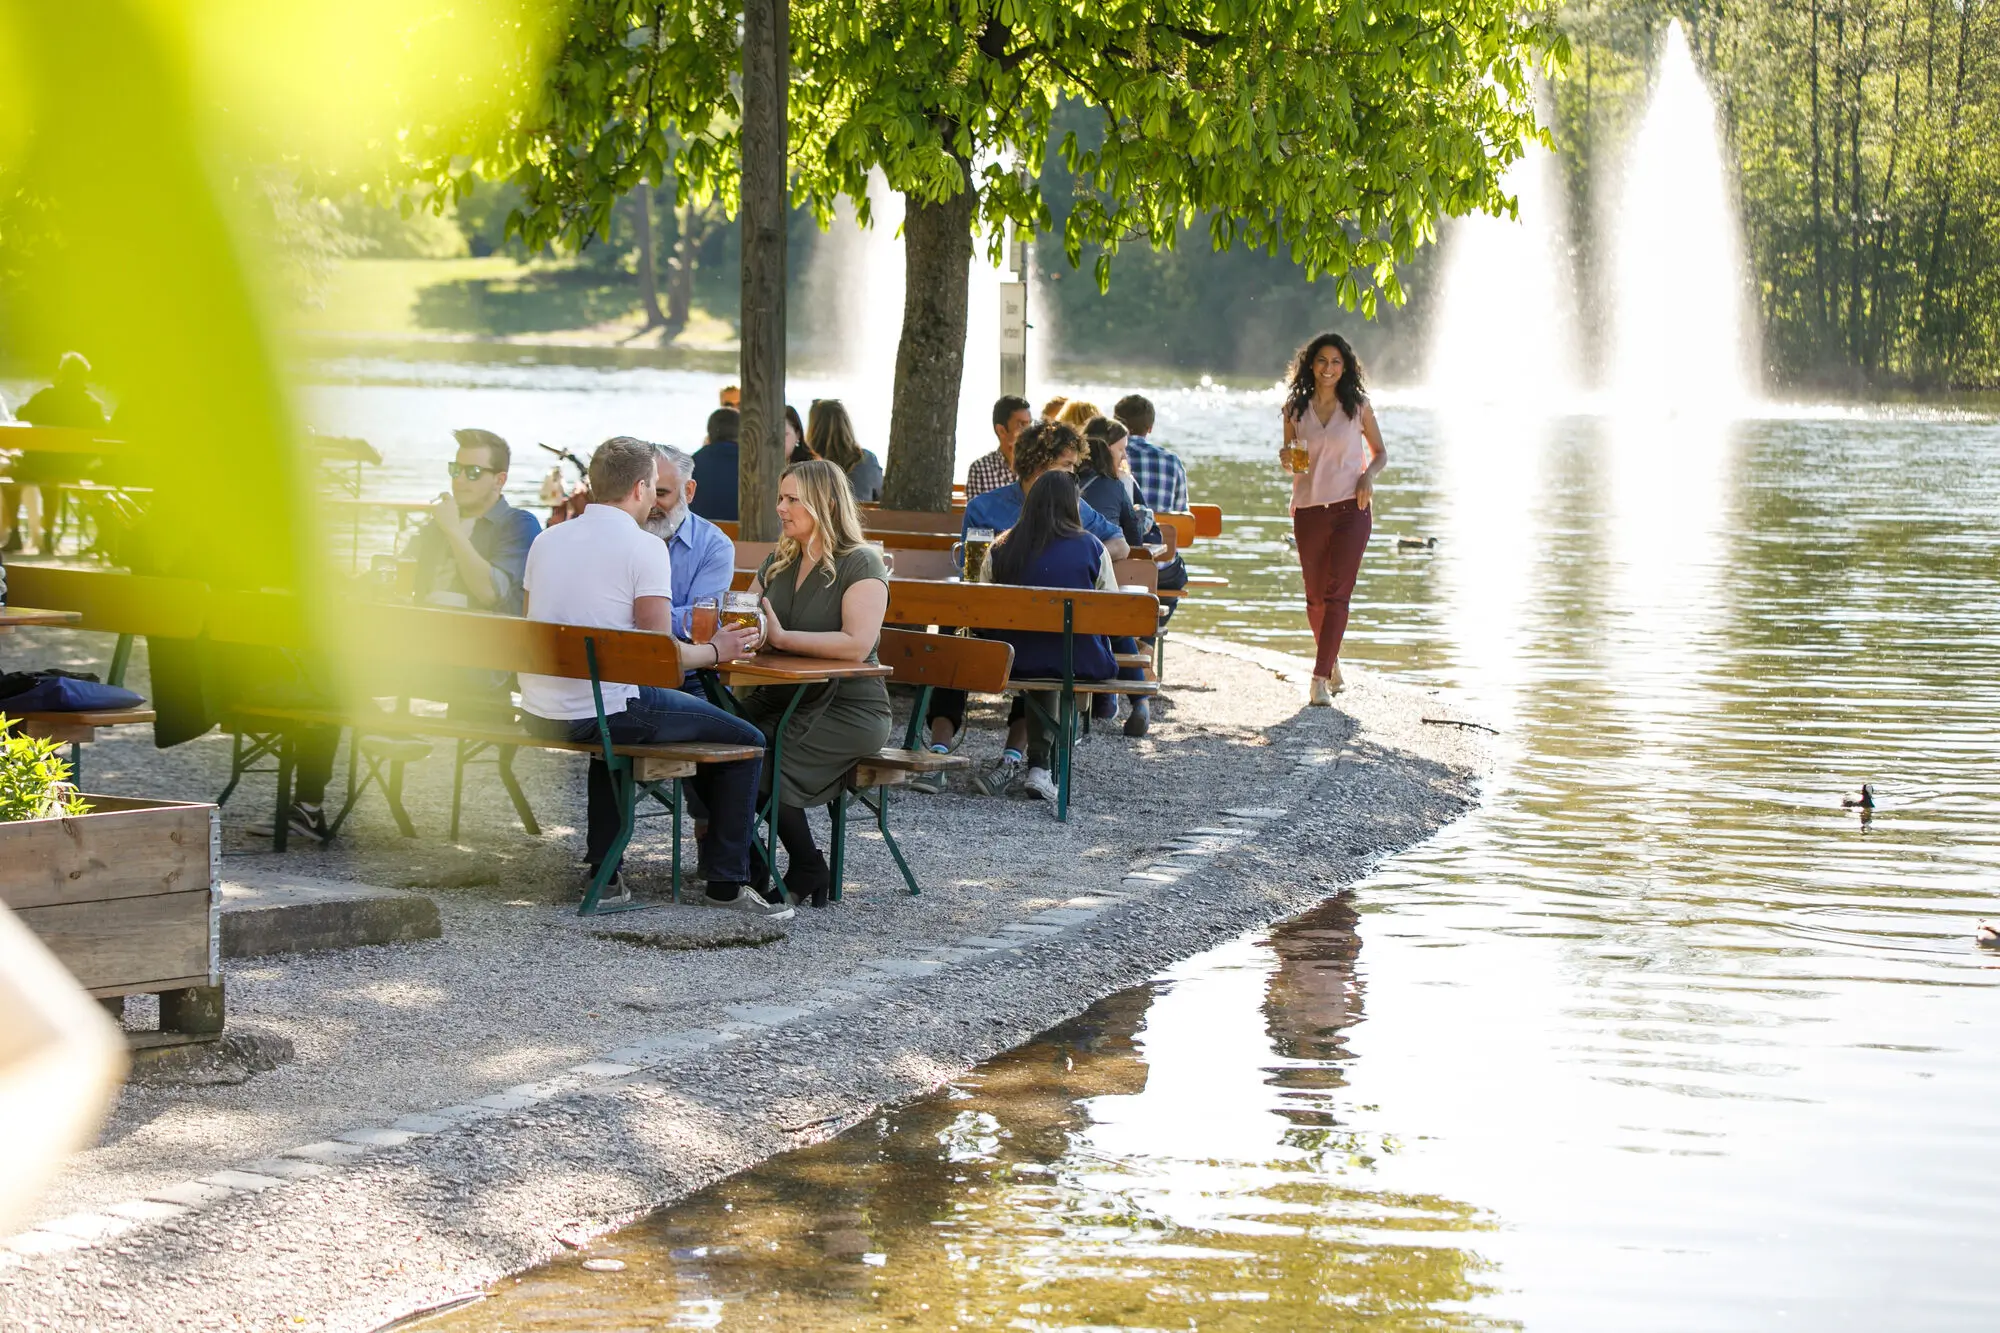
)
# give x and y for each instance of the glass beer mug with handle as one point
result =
(1293, 455)
(702, 622)
(973, 554)
(745, 610)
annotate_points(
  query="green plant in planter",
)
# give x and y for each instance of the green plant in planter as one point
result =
(34, 778)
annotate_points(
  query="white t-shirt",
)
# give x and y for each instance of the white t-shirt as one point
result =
(587, 572)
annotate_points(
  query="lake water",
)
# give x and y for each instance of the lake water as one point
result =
(1660, 1038)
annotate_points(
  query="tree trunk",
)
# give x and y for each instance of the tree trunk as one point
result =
(766, 72)
(649, 274)
(680, 275)
(930, 360)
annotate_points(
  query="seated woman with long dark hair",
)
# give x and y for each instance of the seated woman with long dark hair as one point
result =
(1105, 491)
(1048, 548)
(830, 435)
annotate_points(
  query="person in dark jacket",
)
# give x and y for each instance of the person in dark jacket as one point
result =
(1107, 492)
(1048, 548)
(66, 402)
(715, 468)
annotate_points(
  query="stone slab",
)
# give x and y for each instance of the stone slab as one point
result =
(323, 1151)
(148, 1210)
(1063, 916)
(32, 1243)
(764, 1015)
(1026, 929)
(89, 1226)
(988, 942)
(905, 967)
(603, 1069)
(250, 1182)
(279, 914)
(422, 1124)
(191, 1194)
(287, 1168)
(1257, 812)
(375, 1137)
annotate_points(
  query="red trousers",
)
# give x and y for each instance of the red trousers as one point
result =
(1331, 541)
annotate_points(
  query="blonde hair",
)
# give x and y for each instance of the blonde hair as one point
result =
(825, 494)
(1077, 414)
(1053, 408)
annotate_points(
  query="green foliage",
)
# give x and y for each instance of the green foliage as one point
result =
(1866, 137)
(34, 778)
(1334, 133)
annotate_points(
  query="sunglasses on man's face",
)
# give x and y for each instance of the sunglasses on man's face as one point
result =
(470, 471)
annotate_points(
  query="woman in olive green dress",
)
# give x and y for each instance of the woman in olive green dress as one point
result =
(825, 592)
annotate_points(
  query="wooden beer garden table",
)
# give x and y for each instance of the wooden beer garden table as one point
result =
(12, 617)
(802, 673)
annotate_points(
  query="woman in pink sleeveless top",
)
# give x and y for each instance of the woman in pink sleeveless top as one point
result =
(1327, 414)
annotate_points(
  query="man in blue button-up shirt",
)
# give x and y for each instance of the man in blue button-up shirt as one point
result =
(1041, 449)
(703, 557)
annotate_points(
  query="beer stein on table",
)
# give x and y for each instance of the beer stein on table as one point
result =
(974, 554)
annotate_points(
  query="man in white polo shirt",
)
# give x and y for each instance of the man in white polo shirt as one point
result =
(604, 570)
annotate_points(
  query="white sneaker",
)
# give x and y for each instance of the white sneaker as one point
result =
(753, 903)
(1321, 695)
(1040, 782)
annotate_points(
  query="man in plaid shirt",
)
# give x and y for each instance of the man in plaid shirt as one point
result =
(1162, 481)
(992, 471)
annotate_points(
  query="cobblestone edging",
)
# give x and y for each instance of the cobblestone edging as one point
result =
(648, 1055)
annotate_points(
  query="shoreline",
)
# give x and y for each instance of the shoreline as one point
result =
(878, 1001)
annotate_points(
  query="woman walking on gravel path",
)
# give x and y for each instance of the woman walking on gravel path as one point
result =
(1333, 449)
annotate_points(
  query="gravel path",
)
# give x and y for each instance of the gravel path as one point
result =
(460, 1107)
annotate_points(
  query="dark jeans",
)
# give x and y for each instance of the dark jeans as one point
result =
(1332, 539)
(727, 791)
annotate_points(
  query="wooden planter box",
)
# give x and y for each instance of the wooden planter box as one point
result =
(129, 898)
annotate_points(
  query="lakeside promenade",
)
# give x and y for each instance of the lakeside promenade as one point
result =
(464, 1107)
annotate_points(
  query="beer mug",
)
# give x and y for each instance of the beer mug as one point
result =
(1295, 458)
(703, 619)
(973, 554)
(743, 610)
(888, 558)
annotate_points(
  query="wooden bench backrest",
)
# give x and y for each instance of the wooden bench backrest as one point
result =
(114, 603)
(1136, 573)
(1184, 526)
(914, 520)
(946, 661)
(914, 563)
(911, 541)
(751, 555)
(728, 527)
(60, 440)
(1001, 606)
(431, 637)
(1207, 520)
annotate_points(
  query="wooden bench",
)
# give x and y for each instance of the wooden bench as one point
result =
(928, 662)
(429, 638)
(1067, 612)
(126, 605)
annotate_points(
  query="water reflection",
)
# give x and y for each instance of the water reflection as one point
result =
(1179, 1156)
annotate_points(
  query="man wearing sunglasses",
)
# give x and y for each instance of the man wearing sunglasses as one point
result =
(473, 551)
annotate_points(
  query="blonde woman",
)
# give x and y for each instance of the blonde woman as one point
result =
(825, 592)
(830, 435)
(1077, 414)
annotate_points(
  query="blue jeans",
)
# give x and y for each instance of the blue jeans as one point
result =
(727, 791)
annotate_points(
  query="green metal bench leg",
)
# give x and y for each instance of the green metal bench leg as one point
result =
(837, 871)
(76, 763)
(281, 826)
(121, 657)
(896, 851)
(627, 793)
(394, 791)
(462, 752)
(677, 839)
(517, 796)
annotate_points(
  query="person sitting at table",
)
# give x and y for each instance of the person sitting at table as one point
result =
(472, 552)
(1047, 548)
(989, 472)
(825, 591)
(704, 557)
(830, 435)
(795, 437)
(66, 402)
(1106, 492)
(603, 569)
(1043, 447)
(715, 467)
